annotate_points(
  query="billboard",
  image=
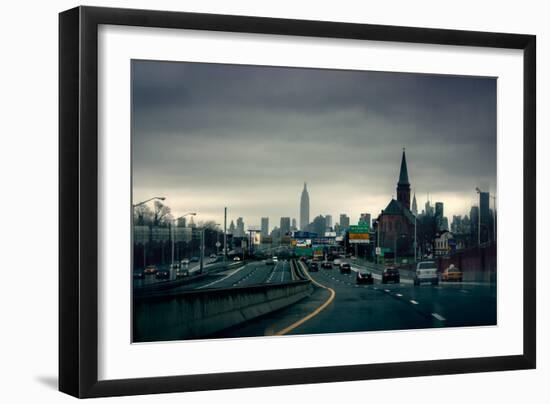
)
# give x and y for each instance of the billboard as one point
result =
(359, 234)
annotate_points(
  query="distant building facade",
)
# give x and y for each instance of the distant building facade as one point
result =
(265, 226)
(304, 208)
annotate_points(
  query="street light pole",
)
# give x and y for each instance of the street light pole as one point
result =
(161, 198)
(415, 242)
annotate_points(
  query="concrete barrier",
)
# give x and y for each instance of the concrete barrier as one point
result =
(199, 313)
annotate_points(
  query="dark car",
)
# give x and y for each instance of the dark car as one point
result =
(364, 278)
(313, 267)
(194, 259)
(345, 268)
(163, 275)
(326, 265)
(390, 275)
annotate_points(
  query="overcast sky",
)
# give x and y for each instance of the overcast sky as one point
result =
(247, 137)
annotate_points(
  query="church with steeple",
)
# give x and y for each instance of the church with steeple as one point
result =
(395, 224)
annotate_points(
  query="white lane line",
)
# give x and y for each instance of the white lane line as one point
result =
(222, 279)
(413, 301)
(283, 272)
(439, 316)
(387, 290)
(375, 288)
(272, 272)
(398, 295)
(464, 291)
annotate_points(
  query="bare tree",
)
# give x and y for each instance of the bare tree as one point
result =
(143, 215)
(161, 214)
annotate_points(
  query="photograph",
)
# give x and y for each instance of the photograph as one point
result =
(272, 200)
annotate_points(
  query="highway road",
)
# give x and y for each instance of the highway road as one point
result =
(338, 304)
(251, 273)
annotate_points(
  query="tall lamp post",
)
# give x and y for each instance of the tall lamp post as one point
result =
(160, 198)
(415, 242)
(478, 218)
(174, 233)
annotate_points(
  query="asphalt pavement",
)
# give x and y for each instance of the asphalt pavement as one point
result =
(376, 307)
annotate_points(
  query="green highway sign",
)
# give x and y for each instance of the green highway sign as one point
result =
(358, 229)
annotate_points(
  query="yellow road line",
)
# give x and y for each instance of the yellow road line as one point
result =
(314, 312)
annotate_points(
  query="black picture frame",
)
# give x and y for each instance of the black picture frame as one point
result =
(78, 196)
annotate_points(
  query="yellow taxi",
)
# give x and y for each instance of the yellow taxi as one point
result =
(452, 273)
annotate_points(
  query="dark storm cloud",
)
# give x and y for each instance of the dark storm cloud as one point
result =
(216, 130)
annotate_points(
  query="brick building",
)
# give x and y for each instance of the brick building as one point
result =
(396, 222)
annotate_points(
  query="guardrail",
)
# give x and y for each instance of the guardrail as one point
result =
(171, 284)
(199, 313)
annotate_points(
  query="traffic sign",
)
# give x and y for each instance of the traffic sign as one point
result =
(357, 229)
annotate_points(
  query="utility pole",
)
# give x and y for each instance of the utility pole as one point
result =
(415, 242)
(202, 250)
(224, 234)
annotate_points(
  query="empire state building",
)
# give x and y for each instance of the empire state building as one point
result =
(304, 209)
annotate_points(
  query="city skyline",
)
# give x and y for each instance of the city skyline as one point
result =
(250, 141)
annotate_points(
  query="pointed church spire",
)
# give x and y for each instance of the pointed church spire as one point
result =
(403, 173)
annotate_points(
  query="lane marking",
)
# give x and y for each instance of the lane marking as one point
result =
(387, 290)
(283, 273)
(413, 301)
(224, 278)
(272, 272)
(314, 312)
(439, 316)
(398, 295)
(464, 291)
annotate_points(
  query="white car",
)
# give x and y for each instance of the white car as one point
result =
(236, 259)
(426, 272)
(185, 261)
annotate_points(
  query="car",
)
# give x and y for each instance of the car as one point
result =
(345, 268)
(182, 273)
(364, 278)
(163, 275)
(150, 270)
(326, 265)
(138, 274)
(194, 259)
(174, 266)
(451, 273)
(390, 274)
(213, 255)
(185, 261)
(337, 261)
(313, 267)
(269, 261)
(236, 259)
(275, 259)
(426, 272)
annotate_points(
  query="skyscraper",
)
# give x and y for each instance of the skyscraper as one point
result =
(304, 209)
(240, 227)
(293, 225)
(344, 222)
(414, 208)
(265, 226)
(285, 225)
(328, 220)
(365, 219)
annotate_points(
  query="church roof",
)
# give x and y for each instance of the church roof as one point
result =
(403, 172)
(397, 209)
